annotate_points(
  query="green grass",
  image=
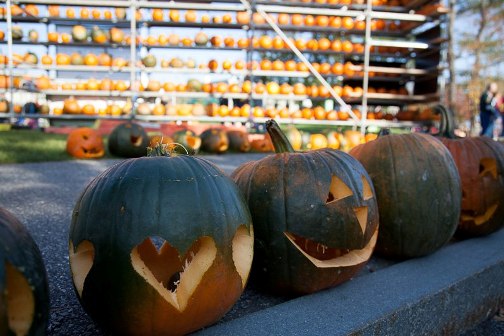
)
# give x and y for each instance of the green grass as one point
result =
(21, 146)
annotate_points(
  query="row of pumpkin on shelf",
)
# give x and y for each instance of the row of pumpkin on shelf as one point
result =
(87, 143)
(107, 60)
(193, 16)
(271, 88)
(81, 34)
(72, 106)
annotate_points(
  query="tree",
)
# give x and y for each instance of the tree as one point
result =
(480, 43)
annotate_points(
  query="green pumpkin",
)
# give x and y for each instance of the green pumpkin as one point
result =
(188, 139)
(214, 140)
(128, 140)
(238, 141)
(160, 245)
(315, 216)
(17, 33)
(99, 35)
(480, 163)
(418, 190)
(24, 293)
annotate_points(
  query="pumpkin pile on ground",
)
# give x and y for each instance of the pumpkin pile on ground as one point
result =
(160, 245)
(315, 216)
(128, 140)
(24, 293)
(418, 190)
(85, 143)
(480, 163)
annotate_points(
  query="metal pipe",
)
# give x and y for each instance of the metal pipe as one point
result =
(365, 81)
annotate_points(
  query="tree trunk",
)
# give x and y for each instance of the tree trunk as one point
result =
(452, 87)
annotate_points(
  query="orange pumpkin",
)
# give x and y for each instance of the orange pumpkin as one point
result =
(85, 143)
(43, 83)
(54, 10)
(46, 60)
(31, 10)
(63, 59)
(53, 37)
(157, 14)
(70, 13)
(243, 18)
(91, 60)
(96, 14)
(84, 13)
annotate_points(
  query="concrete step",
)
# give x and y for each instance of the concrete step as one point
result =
(445, 293)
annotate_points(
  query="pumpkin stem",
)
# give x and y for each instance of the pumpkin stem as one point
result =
(171, 150)
(447, 123)
(280, 141)
(384, 131)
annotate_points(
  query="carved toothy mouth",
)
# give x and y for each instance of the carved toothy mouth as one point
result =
(468, 216)
(323, 256)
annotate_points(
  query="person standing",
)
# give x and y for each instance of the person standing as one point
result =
(488, 110)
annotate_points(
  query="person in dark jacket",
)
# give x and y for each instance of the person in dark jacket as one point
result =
(488, 110)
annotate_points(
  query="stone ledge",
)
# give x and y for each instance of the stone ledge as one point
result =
(445, 293)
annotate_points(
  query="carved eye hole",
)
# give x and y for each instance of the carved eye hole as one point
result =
(362, 214)
(488, 166)
(367, 192)
(338, 190)
(20, 301)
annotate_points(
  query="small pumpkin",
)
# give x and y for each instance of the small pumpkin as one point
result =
(135, 245)
(85, 143)
(17, 33)
(149, 61)
(315, 216)
(71, 106)
(238, 141)
(480, 163)
(4, 105)
(128, 140)
(116, 35)
(214, 140)
(98, 35)
(23, 281)
(418, 190)
(79, 33)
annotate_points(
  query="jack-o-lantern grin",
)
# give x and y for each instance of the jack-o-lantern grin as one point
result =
(136, 140)
(467, 215)
(323, 256)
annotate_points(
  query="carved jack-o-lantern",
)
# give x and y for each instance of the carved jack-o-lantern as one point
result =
(128, 140)
(24, 294)
(214, 140)
(480, 162)
(85, 143)
(315, 216)
(160, 245)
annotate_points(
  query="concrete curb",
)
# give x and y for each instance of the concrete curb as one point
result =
(445, 293)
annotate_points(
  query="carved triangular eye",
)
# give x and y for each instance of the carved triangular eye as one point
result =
(338, 190)
(367, 192)
(488, 166)
(81, 261)
(362, 214)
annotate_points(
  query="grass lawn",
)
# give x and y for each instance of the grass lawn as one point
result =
(19, 146)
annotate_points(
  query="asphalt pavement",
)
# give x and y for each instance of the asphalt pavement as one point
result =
(42, 196)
